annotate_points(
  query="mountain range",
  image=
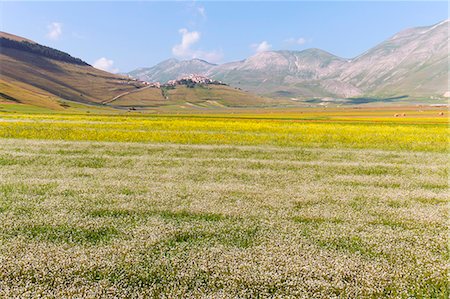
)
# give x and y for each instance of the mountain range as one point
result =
(36, 76)
(413, 63)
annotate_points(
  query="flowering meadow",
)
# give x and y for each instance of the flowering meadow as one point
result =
(222, 207)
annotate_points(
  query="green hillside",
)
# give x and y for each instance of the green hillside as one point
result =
(37, 75)
(199, 97)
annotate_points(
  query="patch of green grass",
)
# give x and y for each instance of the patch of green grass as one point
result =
(402, 224)
(115, 213)
(7, 160)
(431, 200)
(132, 191)
(240, 237)
(433, 186)
(381, 184)
(374, 170)
(316, 220)
(10, 189)
(394, 223)
(69, 193)
(233, 237)
(190, 216)
(429, 287)
(83, 175)
(4, 207)
(350, 244)
(324, 199)
(72, 152)
(191, 238)
(178, 216)
(398, 203)
(360, 203)
(65, 234)
(93, 162)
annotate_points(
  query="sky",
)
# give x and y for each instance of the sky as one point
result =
(122, 36)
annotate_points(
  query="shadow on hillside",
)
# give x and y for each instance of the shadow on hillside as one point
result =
(361, 100)
(33, 60)
(364, 100)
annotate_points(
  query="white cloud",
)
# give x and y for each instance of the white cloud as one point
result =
(301, 41)
(54, 30)
(187, 40)
(105, 64)
(262, 47)
(184, 49)
(296, 41)
(201, 10)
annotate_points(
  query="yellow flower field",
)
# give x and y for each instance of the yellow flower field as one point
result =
(240, 130)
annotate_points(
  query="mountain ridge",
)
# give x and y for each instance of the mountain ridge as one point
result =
(38, 75)
(35, 75)
(410, 62)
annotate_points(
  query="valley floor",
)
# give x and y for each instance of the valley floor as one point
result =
(268, 217)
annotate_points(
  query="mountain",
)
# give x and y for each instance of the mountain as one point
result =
(286, 74)
(172, 69)
(413, 62)
(35, 75)
(15, 37)
(42, 76)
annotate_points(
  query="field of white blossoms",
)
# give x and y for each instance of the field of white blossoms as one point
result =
(85, 219)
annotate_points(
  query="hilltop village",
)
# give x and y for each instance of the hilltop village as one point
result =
(190, 81)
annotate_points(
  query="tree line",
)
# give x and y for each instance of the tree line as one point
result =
(40, 50)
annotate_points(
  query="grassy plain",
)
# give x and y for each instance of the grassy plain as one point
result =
(345, 204)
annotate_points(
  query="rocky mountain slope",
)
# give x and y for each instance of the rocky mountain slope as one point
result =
(286, 73)
(413, 62)
(172, 69)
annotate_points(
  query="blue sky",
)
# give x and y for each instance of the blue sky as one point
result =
(122, 36)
